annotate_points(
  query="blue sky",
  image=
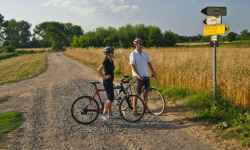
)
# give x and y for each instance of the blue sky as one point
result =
(180, 16)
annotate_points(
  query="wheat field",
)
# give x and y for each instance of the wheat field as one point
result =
(187, 67)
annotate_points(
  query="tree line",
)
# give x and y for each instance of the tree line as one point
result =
(58, 35)
(18, 34)
(123, 37)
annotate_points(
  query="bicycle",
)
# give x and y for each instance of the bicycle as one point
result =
(86, 109)
(156, 102)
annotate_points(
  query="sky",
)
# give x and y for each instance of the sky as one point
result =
(180, 16)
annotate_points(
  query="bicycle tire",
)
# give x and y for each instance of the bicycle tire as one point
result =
(156, 103)
(95, 109)
(125, 107)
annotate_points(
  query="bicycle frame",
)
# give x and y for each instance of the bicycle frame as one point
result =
(97, 92)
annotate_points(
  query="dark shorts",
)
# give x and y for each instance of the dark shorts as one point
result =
(142, 85)
(109, 88)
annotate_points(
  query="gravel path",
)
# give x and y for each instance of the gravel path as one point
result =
(46, 100)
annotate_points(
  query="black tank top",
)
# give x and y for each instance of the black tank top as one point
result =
(109, 67)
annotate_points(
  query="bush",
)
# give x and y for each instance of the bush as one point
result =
(9, 49)
(5, 55)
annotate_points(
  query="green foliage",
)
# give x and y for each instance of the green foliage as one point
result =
(55, 34)
(9, 49)
(171, 38)
(118, 71)
(231, 121)
(5, 55)
(123, 37)
(16, 33)
(9, 121)
(245, 35)
(176, 93)
(232, 36)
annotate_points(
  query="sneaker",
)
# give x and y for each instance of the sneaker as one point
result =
(104, 117)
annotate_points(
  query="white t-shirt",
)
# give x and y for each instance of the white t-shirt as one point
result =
(140, 60)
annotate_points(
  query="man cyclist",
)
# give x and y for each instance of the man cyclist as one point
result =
(140, 62)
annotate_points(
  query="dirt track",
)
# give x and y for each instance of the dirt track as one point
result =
(46, 100)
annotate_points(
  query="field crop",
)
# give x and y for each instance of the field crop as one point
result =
(188, 68)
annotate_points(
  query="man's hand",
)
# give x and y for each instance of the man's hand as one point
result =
(139, 77)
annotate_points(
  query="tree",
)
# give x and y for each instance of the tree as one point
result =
(170, 38)
(155, 37)
(52, 33)
(16, 34)
(56, 34)
(245, 35)
(72, 31)
(1, 30)
(232, 36)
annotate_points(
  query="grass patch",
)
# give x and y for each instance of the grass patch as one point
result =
(176, 93)
(231, 121)
(9, 121)
(5, 55)
(22, 67)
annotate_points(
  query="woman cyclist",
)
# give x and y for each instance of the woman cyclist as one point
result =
(106, 71)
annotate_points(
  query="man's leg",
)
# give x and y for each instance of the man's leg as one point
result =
(139, 85)
(146, 83)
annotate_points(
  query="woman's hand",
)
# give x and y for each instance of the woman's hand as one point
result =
(106, 77)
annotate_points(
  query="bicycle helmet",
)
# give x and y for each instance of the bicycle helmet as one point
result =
(108, 49)
(137, 40)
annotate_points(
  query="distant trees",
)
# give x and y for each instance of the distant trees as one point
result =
(1, 30)
(55, 34)
(232, 36)
(48, 34)
(245, 35)
(58, 35)
(123, 37)
(16, 33)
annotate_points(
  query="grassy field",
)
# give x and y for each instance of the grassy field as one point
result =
(22, 67)
(9, 121)
(188, 68)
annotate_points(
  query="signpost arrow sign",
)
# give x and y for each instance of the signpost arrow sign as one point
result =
(215, 11)
(211, 20)
(217, 29)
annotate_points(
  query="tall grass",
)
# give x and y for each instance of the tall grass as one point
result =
(188, 68)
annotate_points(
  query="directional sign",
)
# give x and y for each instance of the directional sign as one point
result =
(211, 20)
(215, 11)
(218, 29)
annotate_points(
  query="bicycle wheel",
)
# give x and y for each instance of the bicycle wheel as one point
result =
(85, 110)
(155, 102)
(127, 111)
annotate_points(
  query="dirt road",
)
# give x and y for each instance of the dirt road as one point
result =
(46, 100)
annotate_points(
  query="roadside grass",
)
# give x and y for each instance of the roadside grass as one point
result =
(5, 55)
(9, 121)
(230, 120)
(22, 67)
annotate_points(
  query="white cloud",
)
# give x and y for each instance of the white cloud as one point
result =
(89, 7)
